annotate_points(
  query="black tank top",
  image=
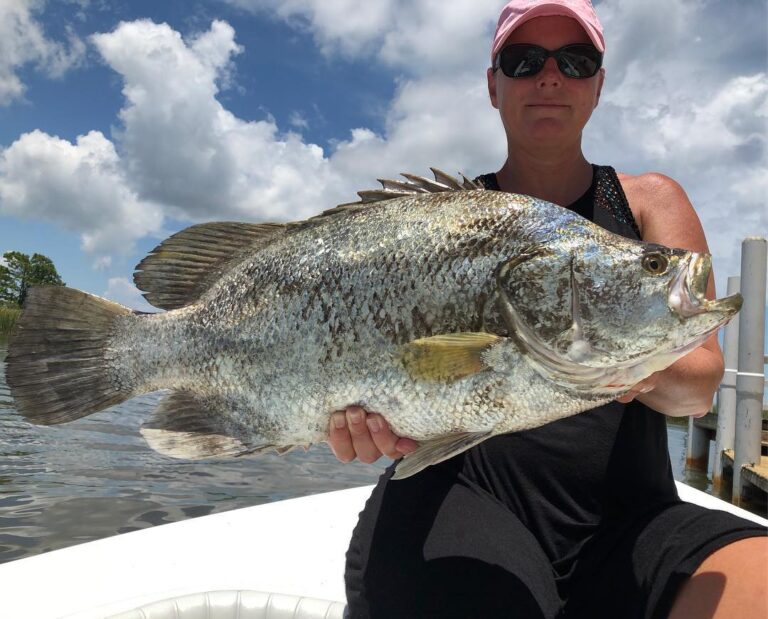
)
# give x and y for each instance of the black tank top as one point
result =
(606, 465)
(605, 191)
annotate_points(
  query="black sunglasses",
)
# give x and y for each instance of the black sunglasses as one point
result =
(578, 61)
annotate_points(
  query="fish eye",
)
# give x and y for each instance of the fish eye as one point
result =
(655, 264)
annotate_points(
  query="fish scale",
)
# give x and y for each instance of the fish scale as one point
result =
(457, 313)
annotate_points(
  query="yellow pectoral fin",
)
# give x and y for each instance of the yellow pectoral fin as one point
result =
(447, 357)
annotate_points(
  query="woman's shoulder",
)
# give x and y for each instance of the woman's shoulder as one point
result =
(661, 208)
(652, 196)
(650, 184)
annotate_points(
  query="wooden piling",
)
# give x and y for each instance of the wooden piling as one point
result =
(697, 453)
(750, 378)
(726, 394)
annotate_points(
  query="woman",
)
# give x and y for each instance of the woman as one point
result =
(579, 518)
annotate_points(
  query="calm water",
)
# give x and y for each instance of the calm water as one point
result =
(96, 477)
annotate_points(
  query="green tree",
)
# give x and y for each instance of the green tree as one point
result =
(20, 272)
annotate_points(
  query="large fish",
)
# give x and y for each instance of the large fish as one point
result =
(458, 313)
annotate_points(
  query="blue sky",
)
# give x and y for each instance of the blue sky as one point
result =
(122, 121)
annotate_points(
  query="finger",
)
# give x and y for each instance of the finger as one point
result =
(365, 448)
(638, 389)
(339, 438)
(628, 396)
(406, 446)
(383, 437)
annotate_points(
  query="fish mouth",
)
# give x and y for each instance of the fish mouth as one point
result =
(687, 290)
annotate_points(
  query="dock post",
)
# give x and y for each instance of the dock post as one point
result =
(726, 394)
(697, 454)
(750, 378)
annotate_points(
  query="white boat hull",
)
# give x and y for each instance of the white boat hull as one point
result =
(295, 547)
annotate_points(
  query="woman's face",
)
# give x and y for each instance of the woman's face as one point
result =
(546, 107)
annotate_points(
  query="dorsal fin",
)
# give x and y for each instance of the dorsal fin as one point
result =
(179, 270)
(417, 184)
(413, 185)
(447, 179)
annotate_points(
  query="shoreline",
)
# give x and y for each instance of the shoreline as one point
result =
(8, 317)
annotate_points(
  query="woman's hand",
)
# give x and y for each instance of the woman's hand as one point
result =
(355, 433)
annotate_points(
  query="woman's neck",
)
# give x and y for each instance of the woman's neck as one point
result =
(562, 178)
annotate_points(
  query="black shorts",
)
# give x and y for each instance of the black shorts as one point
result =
(439, 545)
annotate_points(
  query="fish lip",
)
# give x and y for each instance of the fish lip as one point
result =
(687, 290)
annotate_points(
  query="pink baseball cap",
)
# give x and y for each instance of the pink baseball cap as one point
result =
(517, 12)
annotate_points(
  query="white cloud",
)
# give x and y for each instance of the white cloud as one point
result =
(348, 27)
(433, 37)
(22, 42)
(439, 116)
(80, 186)
(122, 291)
(298, 120)
(420, 37)
(184, 150)
(416, 135)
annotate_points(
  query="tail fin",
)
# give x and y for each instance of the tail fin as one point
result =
(56, 366)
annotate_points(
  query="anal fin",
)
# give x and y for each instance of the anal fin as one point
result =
(184, 427)
(436, 450)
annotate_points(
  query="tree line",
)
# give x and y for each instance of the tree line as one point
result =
(19, 271)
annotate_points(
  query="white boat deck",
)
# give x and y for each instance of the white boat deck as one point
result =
(294, 547)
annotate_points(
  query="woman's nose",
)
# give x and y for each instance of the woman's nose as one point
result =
(549, 75)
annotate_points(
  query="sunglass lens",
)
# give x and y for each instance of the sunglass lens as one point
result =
(522, 60)
(579, 63)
